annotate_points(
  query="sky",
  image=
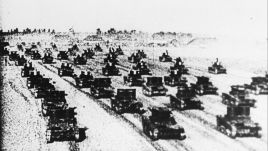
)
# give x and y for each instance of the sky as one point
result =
(212, 17)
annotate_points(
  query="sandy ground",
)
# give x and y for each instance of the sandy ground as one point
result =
(108, 131)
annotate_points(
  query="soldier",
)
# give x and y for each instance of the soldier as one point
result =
(143, 64)
(113, 65)
(139, 65)
(78, 57)
(89, 75)
(131, 73)
(172, 73)
(82, 75)
(108, 65)
(6, 61)
(216, 62)
(178, 59)
(62, 65)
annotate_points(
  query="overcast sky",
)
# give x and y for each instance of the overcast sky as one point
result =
(239, 17)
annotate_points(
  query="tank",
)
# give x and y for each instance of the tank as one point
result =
(84, 80)
(203, 86)
(66, 69)
(133, 78)
(101, 88)
(62, 55)
(154, 87)
(238, 95)
(217, 68)
(175, 78)
(47, 59)
(185, 99)
(142, 68)
(161, 124)
(237, 123)
(165, 57)
(125, 101)
(80, 60)
(110, 69)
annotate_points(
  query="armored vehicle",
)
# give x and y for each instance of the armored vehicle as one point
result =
(54, 101)
(119, 51)
(238, 96)
(13, 55)
(44, 91)
(110, 70)
(33, 79)
(185, 99)
(142, 68)
(27, 69)
(47, 59)
(80, 60)
(43, 87)
(89, 53)
(165, 57)
(101, 88)
(73, 48)
(111, 58)
(29, 49)
(216, 68)
(65, 134)
(35, 55)
(125, 101)
(84, 80)
(3, 49)
(174, 78)
(141, 54)
(237, 122)
(62, 55)
(259, 85)
(20, 61)
(66, 69)
(204, 86)
(112, 52)
(134, 58)
(179, 65)
(133, 78)
(63, 118)
(161, 124)
(153, 86)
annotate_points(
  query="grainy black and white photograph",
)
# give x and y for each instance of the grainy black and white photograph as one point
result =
(133, 75)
